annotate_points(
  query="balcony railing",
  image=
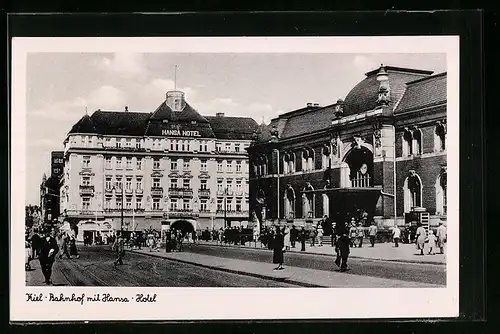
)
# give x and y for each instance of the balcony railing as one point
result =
(204, 192)
(361, 182)
(156, 191)
(129, 191)
(139, 191)
(180, 192)
(86, 190)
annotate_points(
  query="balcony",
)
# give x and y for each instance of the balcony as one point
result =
(204, 192)
(129, 192)
(239, 192)
(86, 190)
(180, 213)
(180, 192)
(139, 191)
(156, 191)
(108, 191)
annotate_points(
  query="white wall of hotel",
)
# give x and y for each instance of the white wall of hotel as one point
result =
(103, 227)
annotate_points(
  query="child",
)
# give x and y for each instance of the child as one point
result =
(432, 242)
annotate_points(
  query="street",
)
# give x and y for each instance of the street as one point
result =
(412, 272)
(95, 268)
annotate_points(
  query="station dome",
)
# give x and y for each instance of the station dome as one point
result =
(363, 97)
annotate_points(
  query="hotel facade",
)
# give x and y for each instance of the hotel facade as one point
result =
(169, 168)
(380, 153)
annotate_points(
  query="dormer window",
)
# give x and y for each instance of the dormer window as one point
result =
(193, 122)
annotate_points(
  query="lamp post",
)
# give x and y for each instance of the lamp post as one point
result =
(277, 185)
(225, 208)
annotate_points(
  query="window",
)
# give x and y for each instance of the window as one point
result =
(118, 183)
(238, 166)
(417, 142)
(407, 143)
(440, 137)
(118, 143)
(218, 147)
(108, 142)
(109, 182)
(176, 145)
(156, 163)
(139, 163)
(156, 204)
(86, 162)
(412, 191)
(325, 157)
(442, 192)
(229, 166)
(203, 184)
(203, 146)
(203, 165)
(173, 165)
(173, 183)
(183, 147)
(229, 205)
(108, 163)
(186, 165)
(107, 203)
(118, 163)
(156, 182)
(186, 183)
(229, 185)
(128, 142)
(228, 147)
(238, 186)
(86, 203)
(129, 163)
(137, 144)
(172, 145)
(220, 186)
(246, 186)
(203, 205)
(138, 203)
(118, 203)
(189, 145)
(128, 203)
(86, 181)
(238, 205)
(236, 147)
(220, 205)
(219, 166)
(186, 204)
(128, 183)
(173, 204)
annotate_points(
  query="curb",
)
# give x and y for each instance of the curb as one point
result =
(332, 255)
(234, 271)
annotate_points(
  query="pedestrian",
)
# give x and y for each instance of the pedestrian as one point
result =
(441, 237)
(180, 239)
(293, 236)
(27, 253)
(302, 237)
(320, 236)
(64, 245)
(372, 232)
(353, 233)
(73, 251)
(270, 238)
(278, 248)
(313, 236)
(396, 234)
(119, 248)
(332, 235)
(360, 234)
(421, 236)
(286, 238)
(431, 240)
(342, 245)
(47, 255)
(36, 242)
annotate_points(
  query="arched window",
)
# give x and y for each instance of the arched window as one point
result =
(412, 191)
(305, 156)
(289, 202)
(325, 157)
(264, 165)
(308, 202)
(310, 160)
(440, 137)
(417, 142)
(441, 192)
(291, 163)
(407, 143)
(326, 205)
(286, 166)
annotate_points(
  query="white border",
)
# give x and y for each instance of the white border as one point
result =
(234, 303)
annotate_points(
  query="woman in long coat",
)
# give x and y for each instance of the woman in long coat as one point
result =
(286, 237)
(421, 235)
(278, 245)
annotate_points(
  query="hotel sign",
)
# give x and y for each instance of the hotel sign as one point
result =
(180, 133)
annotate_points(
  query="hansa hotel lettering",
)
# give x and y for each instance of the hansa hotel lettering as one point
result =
(183, 133)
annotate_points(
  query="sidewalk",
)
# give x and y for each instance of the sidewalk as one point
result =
(381, 251)
(293, 275)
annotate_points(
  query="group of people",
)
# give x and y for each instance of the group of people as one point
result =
(434, 241)
(174, 241)
(42, 244)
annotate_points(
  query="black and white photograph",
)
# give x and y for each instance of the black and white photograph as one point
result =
(220, 171)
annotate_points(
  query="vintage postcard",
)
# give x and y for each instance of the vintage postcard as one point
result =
(234, 178)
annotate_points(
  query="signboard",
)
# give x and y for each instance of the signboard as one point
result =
(180, 133)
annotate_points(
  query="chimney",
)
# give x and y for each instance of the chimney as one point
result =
(126, 108)
(316, 104)
(219, 114)
(309, 104)
(175, 100)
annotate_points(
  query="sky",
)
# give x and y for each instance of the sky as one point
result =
(62, 86)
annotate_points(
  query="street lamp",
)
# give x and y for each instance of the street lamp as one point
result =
(121, 221)
(278, 185)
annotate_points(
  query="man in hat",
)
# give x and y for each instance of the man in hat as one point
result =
(342, 245)
(119, 248)
(47, 255)
(302, 237)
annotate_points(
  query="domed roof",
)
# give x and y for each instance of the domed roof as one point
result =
(363, 97)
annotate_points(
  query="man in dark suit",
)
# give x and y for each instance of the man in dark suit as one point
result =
(293, 236)
(342, 233)
(47, 255)
(302, 237)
